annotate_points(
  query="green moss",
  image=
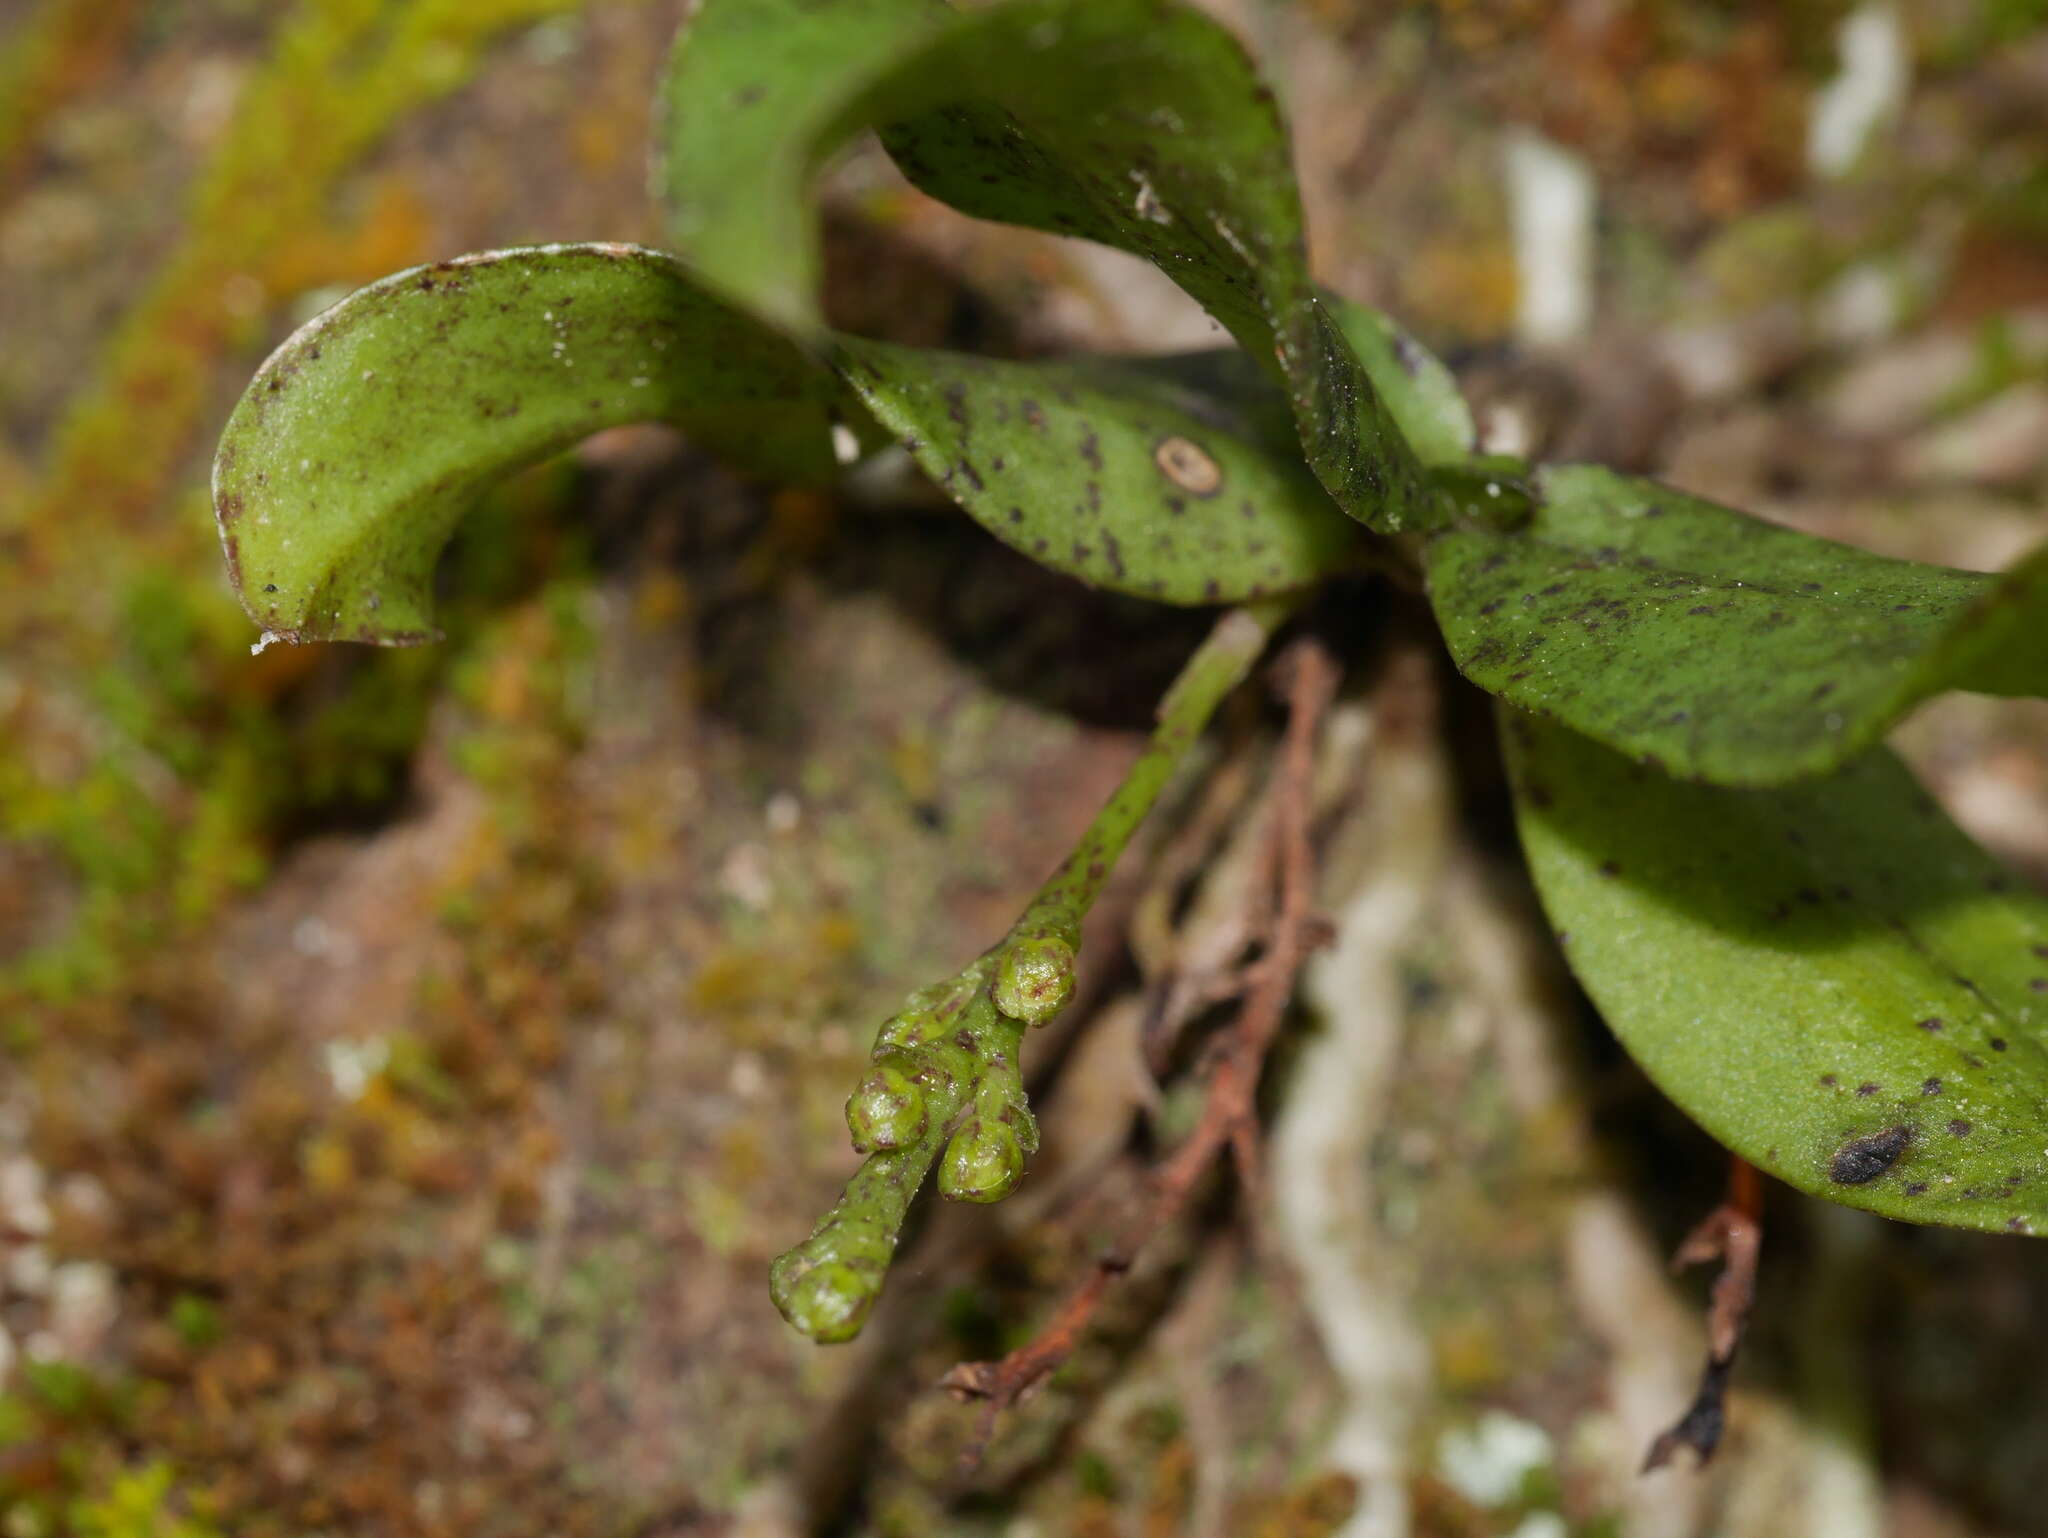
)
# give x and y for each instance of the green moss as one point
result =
(196, 759)
(140, 1503)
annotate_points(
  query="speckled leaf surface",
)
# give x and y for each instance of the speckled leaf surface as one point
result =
(1714, 645)
(365, 437)
(756, 97)
(1421, 393)
(1175, 479)
(1137, 123)
(1830, 978)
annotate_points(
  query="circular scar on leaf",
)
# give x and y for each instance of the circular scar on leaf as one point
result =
(1188, 465)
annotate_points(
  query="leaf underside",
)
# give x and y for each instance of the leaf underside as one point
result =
(360, 444)
(1140, 124)
(1716, 646)
(1831, 978)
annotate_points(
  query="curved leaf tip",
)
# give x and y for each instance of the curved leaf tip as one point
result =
(364, 438)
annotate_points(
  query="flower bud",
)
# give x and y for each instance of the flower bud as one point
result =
(887, 1110)
(1034, 978)
(983, 1163)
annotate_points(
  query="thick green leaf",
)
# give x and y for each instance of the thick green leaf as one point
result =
(1830, 978)
(1716, 646)
(365, 437)
(1137, 123)
(1422, 395)
(1174, 478)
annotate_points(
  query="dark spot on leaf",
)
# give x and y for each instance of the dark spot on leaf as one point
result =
(270, 587)
(1829, 1081)
(1917, 1188)
(1188, 465)
(1998, 1044)
(1932, 1023)
(1960, 1128)
(1863, 1159)
(1867, 1089)
(1931, 1087)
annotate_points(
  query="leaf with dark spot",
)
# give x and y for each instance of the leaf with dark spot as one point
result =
(1796, 1038)
(1179, 449)
(1140, 124)
(1727, 648)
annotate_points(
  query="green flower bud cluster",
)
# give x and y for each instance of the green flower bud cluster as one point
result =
(944, 1085)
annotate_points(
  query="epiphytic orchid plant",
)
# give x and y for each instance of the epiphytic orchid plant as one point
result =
(1779, 924)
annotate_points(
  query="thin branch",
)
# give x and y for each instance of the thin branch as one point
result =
(1732, 1234)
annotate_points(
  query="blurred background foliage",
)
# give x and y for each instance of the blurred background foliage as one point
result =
(409, 1060)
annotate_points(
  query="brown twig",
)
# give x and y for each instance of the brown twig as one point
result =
(1733, 1234)
(1229, 1115)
